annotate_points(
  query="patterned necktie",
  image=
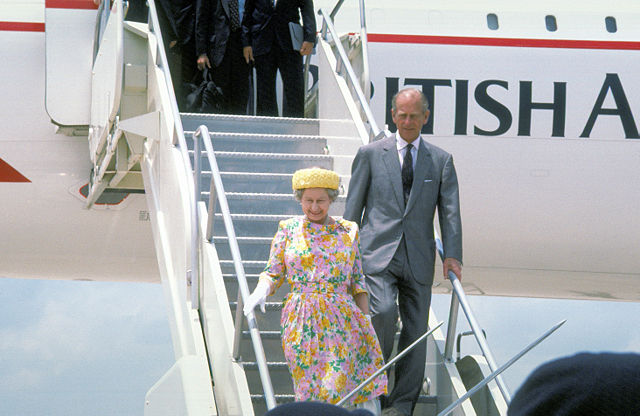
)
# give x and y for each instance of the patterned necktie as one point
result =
(234, 14)
(407, 173)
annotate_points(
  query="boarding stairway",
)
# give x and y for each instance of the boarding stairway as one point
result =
(217, 183)
(256, 174)
(256, 171)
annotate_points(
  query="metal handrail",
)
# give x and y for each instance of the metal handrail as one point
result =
(498, 371)
(366, 79)
(335, 9)
(307, 60)
(217, 191)
(477, 331)
(389, 364)
(327, 25)
(193, 274)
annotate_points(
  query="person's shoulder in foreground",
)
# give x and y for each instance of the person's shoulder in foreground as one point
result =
(314, 409)
(584, 384)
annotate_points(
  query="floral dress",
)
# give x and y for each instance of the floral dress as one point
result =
(329, 344)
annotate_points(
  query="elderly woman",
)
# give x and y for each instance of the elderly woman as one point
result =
(327, 336)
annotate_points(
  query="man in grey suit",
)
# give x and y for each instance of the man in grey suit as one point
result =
(396, 185)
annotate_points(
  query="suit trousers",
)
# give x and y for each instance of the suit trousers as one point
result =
(289, 63)
(232, 76)
(413, 302)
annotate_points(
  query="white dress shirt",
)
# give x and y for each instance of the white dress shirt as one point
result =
(401, 145)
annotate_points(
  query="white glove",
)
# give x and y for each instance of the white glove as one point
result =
(258, 297)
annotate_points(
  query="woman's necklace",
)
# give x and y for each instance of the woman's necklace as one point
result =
(327, 220)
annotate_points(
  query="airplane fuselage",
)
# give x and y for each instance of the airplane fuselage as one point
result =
(543, 125)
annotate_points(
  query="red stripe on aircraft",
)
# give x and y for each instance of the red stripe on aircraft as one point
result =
(21, 27)
(51, 4)
(70, 4)
(9, 174)
(529, 43)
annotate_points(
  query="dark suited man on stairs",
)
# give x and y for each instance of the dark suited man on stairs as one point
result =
(219, 48)
(396, 185)
(267, 41)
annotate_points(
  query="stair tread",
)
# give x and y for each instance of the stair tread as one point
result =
(269, 306)
(282, 175)
(269, 364)
(281, 120)
(275, 136)
(279, 397)
(229, 261)
(265, 155)
(257, 217)
(248, 275)
(245, 239)
(284, 120)
(263, 334)
(267, 196)
(260, 174)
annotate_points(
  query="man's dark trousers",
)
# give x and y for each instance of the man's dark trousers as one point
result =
(290, 65)
(232, 76)
(414, 300)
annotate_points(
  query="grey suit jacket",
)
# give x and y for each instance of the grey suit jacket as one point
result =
(375, 202)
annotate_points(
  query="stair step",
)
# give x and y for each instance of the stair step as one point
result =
(259, 196)
(424, 399)
(250, 124)
(261, 225)
(254, 249)
(273, 365)
(267, 203)
(255, 181)
(271, 143)
(270, 335)
(245, 263)
(249, 225)
(243, 240)
(252, 252)
(275, 162)
(250, 182)
(280, 398)
(250, 277)
(258, 182)
(269, 306)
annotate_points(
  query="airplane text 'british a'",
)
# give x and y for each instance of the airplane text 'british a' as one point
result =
(486, 99)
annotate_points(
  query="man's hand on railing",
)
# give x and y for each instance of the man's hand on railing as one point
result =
(451, 264)
(258, 297)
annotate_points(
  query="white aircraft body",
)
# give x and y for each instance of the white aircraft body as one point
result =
(543, 126)
(538, 103)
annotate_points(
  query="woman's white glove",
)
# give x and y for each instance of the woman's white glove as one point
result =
(258, 297)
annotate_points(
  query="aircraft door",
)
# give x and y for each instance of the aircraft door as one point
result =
(69, 36)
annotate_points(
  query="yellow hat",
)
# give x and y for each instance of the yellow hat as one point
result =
(315, 178)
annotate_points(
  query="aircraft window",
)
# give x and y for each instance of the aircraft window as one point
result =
(551, 23)
(492, 21)
(610, 23)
